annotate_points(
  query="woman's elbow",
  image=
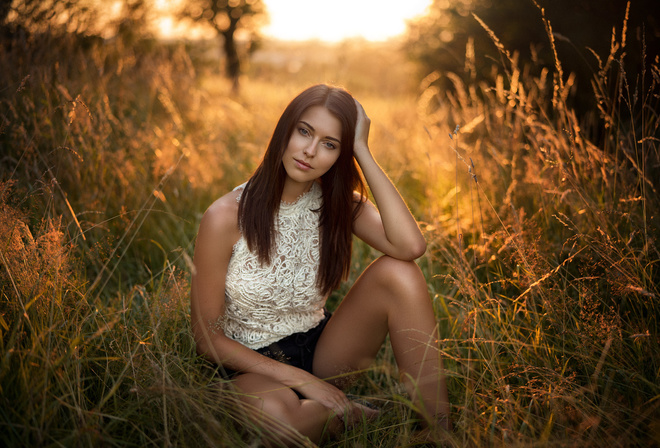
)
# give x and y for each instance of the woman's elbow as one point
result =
(207, 349)
(413, 251)
(418, 249)
(204, 343)
(201, 346)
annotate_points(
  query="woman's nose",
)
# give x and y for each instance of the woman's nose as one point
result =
(310, 150)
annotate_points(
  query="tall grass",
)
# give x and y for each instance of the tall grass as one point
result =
(542, 230)
(97, 218)
(548, 280)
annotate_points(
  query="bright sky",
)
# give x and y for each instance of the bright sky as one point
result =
(335, 20)
(327, 20)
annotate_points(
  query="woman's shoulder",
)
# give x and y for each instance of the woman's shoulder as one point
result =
(222, 216)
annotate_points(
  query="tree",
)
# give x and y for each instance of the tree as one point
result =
(227, 17)
(449, 36)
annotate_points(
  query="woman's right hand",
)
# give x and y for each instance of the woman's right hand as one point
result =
(348, 412)
(326, 394)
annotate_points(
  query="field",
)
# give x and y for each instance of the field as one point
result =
(542, 229)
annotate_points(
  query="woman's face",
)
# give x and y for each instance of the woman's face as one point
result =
(314, 146)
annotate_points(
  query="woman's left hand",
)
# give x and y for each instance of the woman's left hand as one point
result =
(362, 126)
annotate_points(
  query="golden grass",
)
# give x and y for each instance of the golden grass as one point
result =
(542, 231)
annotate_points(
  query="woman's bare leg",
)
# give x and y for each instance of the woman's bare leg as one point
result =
(391, 296)
(278, 409)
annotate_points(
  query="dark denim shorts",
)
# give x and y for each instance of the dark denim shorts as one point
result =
(296, 350)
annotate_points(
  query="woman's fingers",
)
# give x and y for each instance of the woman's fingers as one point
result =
(349, 412)
(362, 125)
(328, 395)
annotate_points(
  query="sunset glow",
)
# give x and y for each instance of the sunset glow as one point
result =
(299, 20)
(374, 20)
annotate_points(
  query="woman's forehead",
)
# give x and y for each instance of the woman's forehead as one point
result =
(322, 121)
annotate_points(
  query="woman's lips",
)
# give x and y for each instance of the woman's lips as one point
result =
(303, 165)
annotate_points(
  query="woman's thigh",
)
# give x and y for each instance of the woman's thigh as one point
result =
(390, 296)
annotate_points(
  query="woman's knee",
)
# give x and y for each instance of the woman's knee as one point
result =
(284, 417)
(400, 275)
(262, 397)
(283, 409)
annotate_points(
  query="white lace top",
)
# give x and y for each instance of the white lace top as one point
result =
(264, 304)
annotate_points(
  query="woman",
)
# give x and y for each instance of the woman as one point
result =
(269, 253)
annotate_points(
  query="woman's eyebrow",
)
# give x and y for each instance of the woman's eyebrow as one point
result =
(314, 130)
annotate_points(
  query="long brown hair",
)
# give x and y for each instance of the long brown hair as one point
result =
(261, 198)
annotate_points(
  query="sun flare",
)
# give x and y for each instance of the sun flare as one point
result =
(300, 20)
(374, 20)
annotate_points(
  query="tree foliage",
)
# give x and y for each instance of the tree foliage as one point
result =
(5, 5)
(127, 19)
(228, 18)
(80, 16)
(450, 38)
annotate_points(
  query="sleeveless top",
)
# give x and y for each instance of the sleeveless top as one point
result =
(265, 303)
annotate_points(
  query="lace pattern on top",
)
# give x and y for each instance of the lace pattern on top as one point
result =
(264, 304)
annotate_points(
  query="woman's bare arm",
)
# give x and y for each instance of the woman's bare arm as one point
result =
(390, 228)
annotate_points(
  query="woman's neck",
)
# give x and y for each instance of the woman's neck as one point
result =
(293, 190)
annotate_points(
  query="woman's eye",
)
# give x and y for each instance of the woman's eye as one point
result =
(330, 145)
(303, 131)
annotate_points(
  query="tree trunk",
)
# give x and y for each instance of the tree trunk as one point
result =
(233, 63)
